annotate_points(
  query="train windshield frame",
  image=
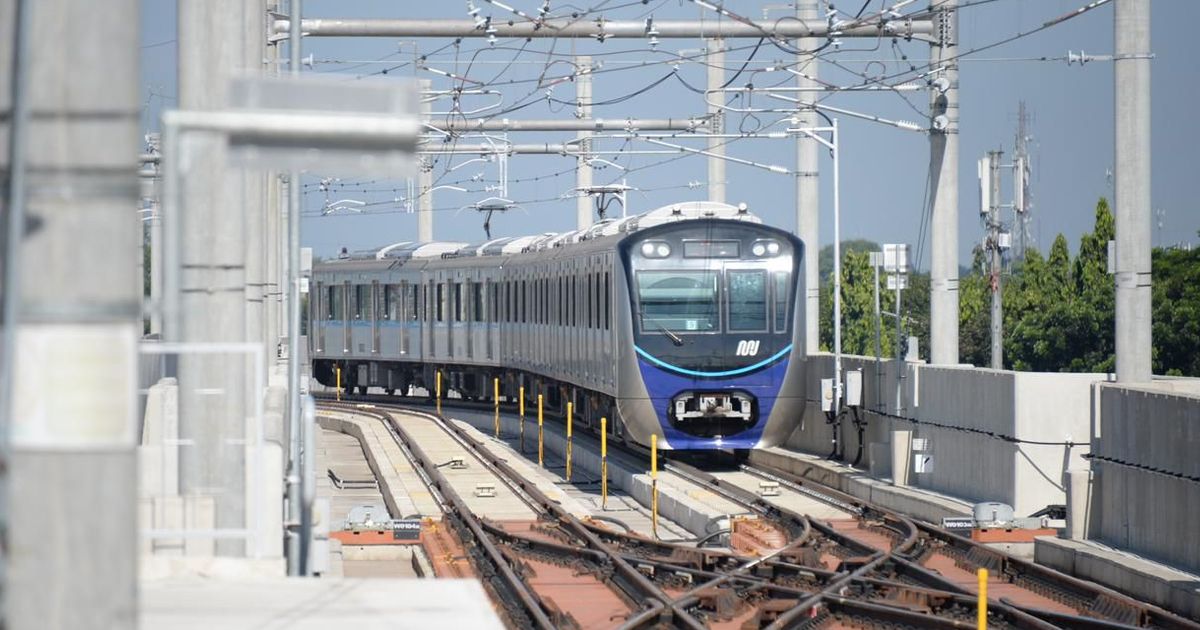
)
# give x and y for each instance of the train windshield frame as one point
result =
(679, 300)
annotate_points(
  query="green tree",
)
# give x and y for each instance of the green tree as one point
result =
(1176, 315)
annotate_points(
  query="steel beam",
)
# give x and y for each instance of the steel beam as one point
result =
(1131, 90)
(597, 29)
(580, 124)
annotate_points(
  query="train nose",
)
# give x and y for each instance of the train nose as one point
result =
(713, 414)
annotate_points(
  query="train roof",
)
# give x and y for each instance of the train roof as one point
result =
(681, 211)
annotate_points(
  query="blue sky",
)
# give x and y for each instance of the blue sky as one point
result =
(883, 169)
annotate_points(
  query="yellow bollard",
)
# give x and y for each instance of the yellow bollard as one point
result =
(603, 463)
(338, 389)
(570, 409)
(438, 392)
(541, 460)
(981, 621)
(521, 404)
(496, 397)
(654, 485)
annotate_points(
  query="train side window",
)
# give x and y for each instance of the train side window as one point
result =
(607, 302)
(477, 302)
(410, 301)
(361, 298)
(588, 301)
(440, 301)
(460, 299)
(782, 303)
(330, 297)
(524, 301)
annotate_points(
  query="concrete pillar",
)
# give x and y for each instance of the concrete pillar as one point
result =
(70, 554)
(716, 146)
(253, 44)
(943, 169)
(901, 457)
(425, 181)
(583, 170)
(1079, 503)
(213, 293)
(808, 191)
(1131, 89)
(156, 258)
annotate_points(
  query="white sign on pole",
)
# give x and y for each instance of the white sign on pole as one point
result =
(895, 258)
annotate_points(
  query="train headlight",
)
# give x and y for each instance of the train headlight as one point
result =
(765, 248)
(656, 249)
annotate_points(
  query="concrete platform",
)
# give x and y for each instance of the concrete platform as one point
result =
(312, 604)
(918, 503)
(1144, 579)
(403, 491)
(344, 455)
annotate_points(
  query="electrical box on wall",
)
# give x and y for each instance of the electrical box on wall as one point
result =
(826, 394)
(854, 388)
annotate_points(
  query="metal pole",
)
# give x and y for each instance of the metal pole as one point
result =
(943, 166)
(425, 181)
(295, 513)
(808, 191)
(602, 29)
(997, 323)
(70, 521)
(837, 272)
(583, 168)
(1131, 88)
(715, 62)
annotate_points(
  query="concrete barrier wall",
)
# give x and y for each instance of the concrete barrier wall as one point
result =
(1140, 510)
(964, 413)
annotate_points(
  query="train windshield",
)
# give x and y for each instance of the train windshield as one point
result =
(683, 301)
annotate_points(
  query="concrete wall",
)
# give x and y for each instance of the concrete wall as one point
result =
(1150, 513)
(965, 413)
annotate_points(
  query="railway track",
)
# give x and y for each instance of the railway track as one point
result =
(857, 565)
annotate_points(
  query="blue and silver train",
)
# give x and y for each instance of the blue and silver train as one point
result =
(682, 322)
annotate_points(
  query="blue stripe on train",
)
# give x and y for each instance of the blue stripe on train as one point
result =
(663, 385)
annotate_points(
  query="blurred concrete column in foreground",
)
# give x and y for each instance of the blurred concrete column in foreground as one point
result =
(71, 514)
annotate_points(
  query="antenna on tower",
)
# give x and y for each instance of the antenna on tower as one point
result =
(1022, 199)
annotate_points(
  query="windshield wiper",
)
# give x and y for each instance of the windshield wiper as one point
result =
(675, 339)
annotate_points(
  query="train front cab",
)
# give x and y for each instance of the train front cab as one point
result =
(713, 315)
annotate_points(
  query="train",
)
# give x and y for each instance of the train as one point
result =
(684, 323)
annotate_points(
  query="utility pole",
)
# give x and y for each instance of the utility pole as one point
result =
(808, 191)
(212, 406)
(1021, 198)
(583, 167)
(1131, 89)
(70, 515)
(425, 178)
(715, 62)
(876, 263)
(943, 170)
(994, 245)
